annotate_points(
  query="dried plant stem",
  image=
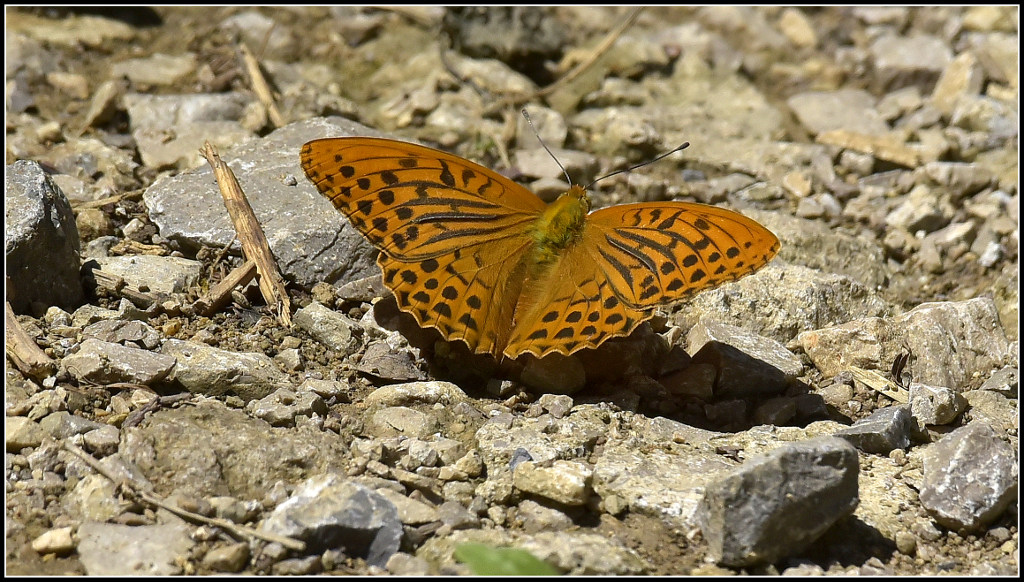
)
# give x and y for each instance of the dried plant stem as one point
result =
(133, 489)
(250, 235)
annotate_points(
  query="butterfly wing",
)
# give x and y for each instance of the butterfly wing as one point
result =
(569, 307)
(630, 258)
(412, 201)
(452, 233)
(656, 253)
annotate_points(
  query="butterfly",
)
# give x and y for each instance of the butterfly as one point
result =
(483, 260)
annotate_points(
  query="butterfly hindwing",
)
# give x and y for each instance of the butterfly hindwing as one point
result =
(658, 252)
(572, 306)
(469, 294)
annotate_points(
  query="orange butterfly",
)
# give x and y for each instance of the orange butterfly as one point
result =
(484, 260)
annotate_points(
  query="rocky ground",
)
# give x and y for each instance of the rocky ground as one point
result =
(849, 409)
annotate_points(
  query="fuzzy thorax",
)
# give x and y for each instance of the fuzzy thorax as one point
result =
(559, 225)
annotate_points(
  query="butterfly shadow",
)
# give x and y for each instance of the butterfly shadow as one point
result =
(724, 388)
(720, 387)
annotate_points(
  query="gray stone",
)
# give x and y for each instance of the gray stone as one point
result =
(776, 504)
(240, 456)
(107, 549)
(455, 515)
(538, 163)
(328, 512)
(984, 114)
(904, 60)
(961, 179)
(970, 477)
(80, 30)
(953, 342)
(414, 393)
(565, 482)
(329, 327)
(400, 420)
(203, 369)
(102, 441)
(667, 484)
(170, 129)
(21, 432)
(410, 511)
(922, 209)
(311, 241)
(381, 361)
(108, 363)
(63, 424)
(124, 332)
(89, 314)
(327, 389)
(533, 517)
(153, 273)
(258, 29)
(542, 440)
(94, 498)
(233, 509)
(401, 564)
(801, 298)
(55, 541)
(886, 429)
(995, 409)
(747, 364)
(230, 558)
(934, 405)
(282, 406)
(557, 404)
(41, 245)
(303, 566)
(158, 69)
(851, 109)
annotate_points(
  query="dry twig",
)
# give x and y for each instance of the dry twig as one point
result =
(250, 235)
(260, 85)
(220, 294)
(879, 383)
(579, 69)
(133, 489)
(22, 349)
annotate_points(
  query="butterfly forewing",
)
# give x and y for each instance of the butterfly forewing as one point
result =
(655, 253)
(414, 202)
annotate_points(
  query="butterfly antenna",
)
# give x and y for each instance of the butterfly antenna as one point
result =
(685, 145)
(530, 121)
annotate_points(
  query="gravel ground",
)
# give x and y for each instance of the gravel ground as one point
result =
(849, 409)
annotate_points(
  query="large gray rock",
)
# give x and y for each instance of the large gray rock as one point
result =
(41, 243)
(778, 503)
(310, 239)
(970, 477)
(108, 549)
(329, 512)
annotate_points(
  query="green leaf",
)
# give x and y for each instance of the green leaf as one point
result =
(487, 561)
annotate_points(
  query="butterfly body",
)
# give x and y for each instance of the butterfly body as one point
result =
(559, 225)
(485, 261)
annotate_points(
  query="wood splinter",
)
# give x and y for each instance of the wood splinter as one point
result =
(254, 242)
